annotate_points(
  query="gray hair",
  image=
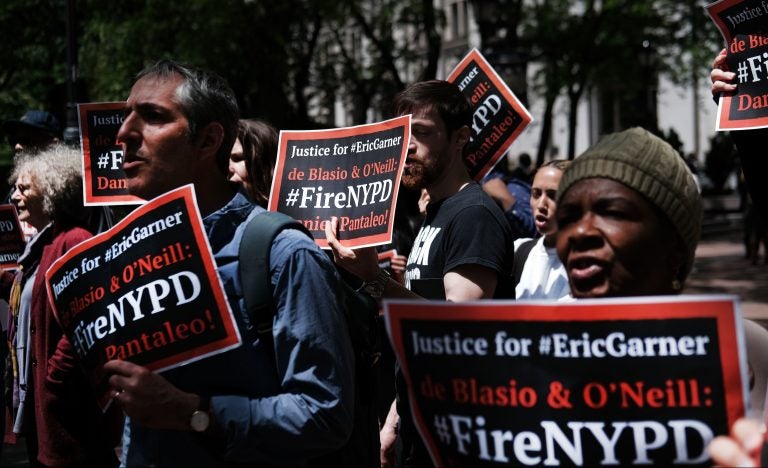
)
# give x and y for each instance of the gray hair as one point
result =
(56, 173)
(204, 97)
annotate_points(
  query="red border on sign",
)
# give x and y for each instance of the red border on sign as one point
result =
(475, 56)
(721, 308)
(89, 199)
(18, 230)
(187, 194)
(286, 135)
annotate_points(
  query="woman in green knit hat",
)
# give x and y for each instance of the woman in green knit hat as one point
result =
(629, 217)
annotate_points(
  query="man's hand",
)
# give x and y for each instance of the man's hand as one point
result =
(497, 189)
(398, 264)
(148, 398)
(722, 79)
(363, 263)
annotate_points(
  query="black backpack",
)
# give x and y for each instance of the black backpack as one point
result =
(360, 312)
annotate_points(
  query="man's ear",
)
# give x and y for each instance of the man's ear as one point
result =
(209, 139)
(462, 136)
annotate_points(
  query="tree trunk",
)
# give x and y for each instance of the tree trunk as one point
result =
(546, 128)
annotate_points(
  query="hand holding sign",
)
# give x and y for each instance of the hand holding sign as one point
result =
(148, 398)
(742, 24)
(352, 173)
(363, 262)
(742, 447)
(145, 291)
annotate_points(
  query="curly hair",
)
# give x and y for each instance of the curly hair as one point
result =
(57, 175)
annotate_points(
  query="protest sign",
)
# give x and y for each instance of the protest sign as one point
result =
(594, 382)
(352, 173)
(498, 116)
(11, 237)
(103, 176)
(146, 291)
(744, 26)
(385, 258)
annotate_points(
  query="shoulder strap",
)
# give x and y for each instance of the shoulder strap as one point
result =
(521, 255)
(253, 265)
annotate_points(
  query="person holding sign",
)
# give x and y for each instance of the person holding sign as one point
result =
(282, 400)
(56, 412)
(252, 160)
(464, 246)
(746, 441)
(629, 218)
(750, 144)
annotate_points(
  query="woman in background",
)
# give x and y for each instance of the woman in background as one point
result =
(57, 413)
(252, 160)
(540, 275)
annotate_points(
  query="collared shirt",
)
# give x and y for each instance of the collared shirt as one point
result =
(281, 402)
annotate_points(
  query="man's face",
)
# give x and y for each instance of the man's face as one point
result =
(429, 149)
(159, 155)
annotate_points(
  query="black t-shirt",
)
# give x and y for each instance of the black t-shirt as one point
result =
(467, 228)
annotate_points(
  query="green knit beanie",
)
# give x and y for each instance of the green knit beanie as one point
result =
(650, 166)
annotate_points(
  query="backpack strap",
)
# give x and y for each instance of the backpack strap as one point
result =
(521, 255)
(253, 265)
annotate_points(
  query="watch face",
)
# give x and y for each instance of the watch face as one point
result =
(199, 421)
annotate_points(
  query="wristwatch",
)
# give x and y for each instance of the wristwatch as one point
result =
(375, 287)
(200, 419)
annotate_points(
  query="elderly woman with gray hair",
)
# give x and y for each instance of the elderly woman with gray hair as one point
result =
(55, 409)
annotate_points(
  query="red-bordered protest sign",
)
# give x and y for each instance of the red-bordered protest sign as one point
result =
(498, 117)
(744, 26)
(352, 173)
(146, 291)
(11, 237)
(622, 382)
(103, 176)
(385, 258)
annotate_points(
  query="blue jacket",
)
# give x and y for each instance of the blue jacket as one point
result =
(280, 405)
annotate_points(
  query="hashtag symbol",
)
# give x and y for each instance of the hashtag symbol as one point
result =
(103, 161)
(108, 255)
(545, 345)
(441, 427)
(742, 72)
(293, 197)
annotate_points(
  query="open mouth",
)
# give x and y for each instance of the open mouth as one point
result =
(587, 274)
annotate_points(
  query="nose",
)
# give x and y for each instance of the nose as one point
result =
(411, 146)
(583, 234)
(127, 129)
(18, 148)
(16, 195)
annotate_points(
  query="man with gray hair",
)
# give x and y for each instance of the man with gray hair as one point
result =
(283, 399)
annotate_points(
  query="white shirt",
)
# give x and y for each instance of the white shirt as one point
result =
(543, 276)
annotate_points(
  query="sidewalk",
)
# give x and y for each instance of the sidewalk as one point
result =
(720, 267)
